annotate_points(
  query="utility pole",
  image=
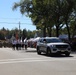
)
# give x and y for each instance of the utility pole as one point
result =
(19, 30)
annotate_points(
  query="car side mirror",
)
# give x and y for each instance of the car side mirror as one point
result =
(44, 41)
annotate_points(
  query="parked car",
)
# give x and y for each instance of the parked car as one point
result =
(52, 45)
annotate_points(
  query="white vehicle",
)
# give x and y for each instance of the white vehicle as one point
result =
(52, 45)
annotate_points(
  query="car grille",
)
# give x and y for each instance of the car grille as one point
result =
(61, 46)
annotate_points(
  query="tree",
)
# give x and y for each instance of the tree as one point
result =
(24, 34)
(73, 28)
(46, 14)
(69, 4)
(39, 11)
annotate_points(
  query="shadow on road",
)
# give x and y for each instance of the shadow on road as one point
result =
(31, 51)
(58, 56)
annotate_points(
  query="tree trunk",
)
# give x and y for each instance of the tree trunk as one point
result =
(57, 31)
(68, 31)
(44, 31)
(49, 31)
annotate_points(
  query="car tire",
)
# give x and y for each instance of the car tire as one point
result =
(38, 51)
(48, 52)
(67, 54)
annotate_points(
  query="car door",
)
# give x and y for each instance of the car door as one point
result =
(44, 45)
(41, 45)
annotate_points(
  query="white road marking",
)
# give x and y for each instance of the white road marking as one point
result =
(18, 59)
(23, 60)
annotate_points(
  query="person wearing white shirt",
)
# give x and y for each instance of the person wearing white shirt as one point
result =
(25, 43)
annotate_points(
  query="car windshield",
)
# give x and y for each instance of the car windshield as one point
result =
(53, 40)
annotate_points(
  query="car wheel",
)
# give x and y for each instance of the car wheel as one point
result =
(38, 51)
(48, 51)
(67, 54)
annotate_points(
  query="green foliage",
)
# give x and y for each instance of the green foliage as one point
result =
(46, 14)
(24, 34)
(5, 33)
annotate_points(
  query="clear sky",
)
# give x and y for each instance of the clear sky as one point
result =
(10, 19)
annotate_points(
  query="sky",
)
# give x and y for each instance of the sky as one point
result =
(10, 19)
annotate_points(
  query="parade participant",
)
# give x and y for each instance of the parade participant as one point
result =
(25, 43)
(14, 42)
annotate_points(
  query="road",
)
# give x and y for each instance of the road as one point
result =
(13, 62)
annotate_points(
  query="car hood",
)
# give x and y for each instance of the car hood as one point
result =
(57, 44)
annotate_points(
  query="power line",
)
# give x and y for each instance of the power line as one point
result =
(14, 23)
(8, 23)
(15, 18)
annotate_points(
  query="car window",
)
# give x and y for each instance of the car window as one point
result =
(41, 40)
(53, 40)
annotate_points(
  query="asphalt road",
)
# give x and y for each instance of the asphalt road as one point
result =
(13, 62)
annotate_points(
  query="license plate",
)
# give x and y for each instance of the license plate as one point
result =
(62, 50)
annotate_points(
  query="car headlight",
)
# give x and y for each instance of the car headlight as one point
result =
(53, 46)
